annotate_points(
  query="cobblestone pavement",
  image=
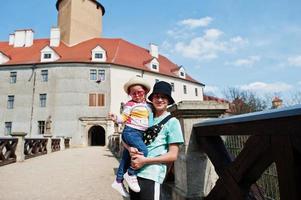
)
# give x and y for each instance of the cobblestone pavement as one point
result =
(73, 174)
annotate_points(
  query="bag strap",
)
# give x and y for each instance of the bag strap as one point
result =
(164, 120)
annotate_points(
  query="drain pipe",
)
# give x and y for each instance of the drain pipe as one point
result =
(33, 76)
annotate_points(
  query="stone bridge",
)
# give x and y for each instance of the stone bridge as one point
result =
(205, 169)
(73, 174)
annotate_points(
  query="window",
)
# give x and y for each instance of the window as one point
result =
(101, 74)
(184, 89)
(41, 127)
(47, 56)
(93, 74)
(96, 100)
(13, 77)
(98, 55)
(101, 100)
(182, 74)
(8, 128)
(172, 86)
(43, 100)
(10, 101)
(44, 75)
(97, 75)
(154, 66)
(157, 80)
(196, 92)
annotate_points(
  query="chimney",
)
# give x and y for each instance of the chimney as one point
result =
(29, 38)
(276, 103)
(11, 39)
(153, 50)
(55, 37)
(23, 38)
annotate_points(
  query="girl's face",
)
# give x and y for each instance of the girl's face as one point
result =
(137, 93)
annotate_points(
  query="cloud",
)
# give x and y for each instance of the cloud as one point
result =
(262, 87)
(299, 83)
(212, 34)
(206, 45)
(212, 90)
(239, 41)
(194, 23)
(248, 62)
(294, 61)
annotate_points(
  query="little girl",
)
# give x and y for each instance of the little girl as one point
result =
(137, 117)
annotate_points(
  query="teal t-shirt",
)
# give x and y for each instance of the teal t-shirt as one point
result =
(170, 133)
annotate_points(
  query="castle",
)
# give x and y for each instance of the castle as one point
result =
(67, 84)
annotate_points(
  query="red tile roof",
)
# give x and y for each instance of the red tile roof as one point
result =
(118, 51)
(212, 98)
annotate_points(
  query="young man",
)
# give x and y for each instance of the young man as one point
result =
(164, 149)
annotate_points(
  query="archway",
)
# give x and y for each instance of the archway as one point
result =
(97, 136)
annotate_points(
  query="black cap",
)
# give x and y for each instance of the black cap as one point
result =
(164, 88)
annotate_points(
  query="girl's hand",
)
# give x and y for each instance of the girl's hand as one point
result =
(112, 116)
(138, 161)
(134, 151)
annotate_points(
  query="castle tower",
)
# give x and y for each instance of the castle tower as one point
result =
(79, 20)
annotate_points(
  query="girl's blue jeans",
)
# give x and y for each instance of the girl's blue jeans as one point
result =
(133, 138)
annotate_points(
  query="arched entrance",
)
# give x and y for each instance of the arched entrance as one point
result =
(97, 136)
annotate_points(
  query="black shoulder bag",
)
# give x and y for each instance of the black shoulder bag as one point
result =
(150, 134)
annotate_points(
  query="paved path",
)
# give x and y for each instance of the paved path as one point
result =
(72, 174)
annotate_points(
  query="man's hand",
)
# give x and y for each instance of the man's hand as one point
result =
(138, 161)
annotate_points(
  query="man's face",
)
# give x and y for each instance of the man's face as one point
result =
(160, 102)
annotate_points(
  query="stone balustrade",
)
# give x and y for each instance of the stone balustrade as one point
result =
(8, 150)
(18, 147)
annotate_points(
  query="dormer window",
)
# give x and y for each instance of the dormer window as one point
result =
(98, 54)
(181, 72)
(48, 55)
(153, 64)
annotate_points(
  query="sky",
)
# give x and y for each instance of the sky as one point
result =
(251, 45)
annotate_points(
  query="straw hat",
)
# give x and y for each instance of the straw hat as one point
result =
(136, 81)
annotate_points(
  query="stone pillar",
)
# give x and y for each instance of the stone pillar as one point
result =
(62, 143)
(49, 149)
(194, 173)
(20, 146)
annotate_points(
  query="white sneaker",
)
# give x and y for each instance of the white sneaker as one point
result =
(119, 187)
(132, 182)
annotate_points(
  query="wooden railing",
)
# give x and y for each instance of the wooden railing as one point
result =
(7, 150)
(275, 137)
